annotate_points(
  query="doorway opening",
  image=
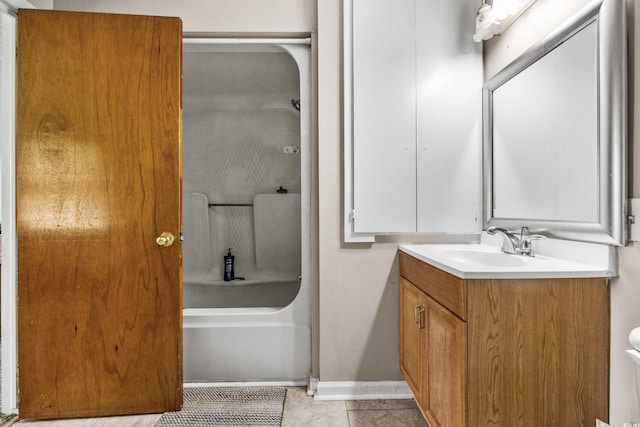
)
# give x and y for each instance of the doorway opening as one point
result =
(246, 162)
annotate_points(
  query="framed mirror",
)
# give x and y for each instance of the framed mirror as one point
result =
(554, 132)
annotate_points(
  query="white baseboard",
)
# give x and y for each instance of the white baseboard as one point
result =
(312, 386)
(298, 383)
(362, 390)
(332, 390)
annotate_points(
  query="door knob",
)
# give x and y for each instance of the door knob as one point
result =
(165, 239)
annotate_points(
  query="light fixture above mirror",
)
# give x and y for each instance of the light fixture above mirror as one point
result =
(494, 18)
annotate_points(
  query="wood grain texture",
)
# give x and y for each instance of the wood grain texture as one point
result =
(445, 366)
(411, 338)
(443, 287)
(538, 352)
(534, 352)
(98, 178)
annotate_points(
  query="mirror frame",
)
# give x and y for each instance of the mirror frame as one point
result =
(611, 224)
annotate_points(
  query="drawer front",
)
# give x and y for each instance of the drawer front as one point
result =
(445, 288)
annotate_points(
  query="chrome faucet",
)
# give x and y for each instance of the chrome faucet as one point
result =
(512, 244)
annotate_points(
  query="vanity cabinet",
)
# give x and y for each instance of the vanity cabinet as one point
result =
(504, 352)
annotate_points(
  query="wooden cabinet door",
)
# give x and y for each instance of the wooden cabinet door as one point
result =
(445, 366)
(540, 351)
(98, 179)
(411, 336)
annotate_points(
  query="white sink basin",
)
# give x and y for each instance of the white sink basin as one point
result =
(485, 258)
(485, 261)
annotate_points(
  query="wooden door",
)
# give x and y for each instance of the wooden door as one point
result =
(98, 176)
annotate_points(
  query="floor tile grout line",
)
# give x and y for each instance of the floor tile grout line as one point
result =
(344, 402)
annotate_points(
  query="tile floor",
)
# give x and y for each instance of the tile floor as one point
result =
(299, 410)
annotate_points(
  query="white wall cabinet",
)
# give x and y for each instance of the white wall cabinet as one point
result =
(412, 97)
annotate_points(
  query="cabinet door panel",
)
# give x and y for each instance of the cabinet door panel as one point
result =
(449, 74)
(540, 351)
(446, 366)
(411, 337)
(412, 118)
(384, 114)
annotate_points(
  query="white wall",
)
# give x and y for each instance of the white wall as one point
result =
(217, 16)
(544, 16)
(42, 4)
(358, 284)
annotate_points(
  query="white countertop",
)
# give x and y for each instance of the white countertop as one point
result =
(481, 261)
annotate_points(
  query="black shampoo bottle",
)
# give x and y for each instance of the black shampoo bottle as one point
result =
(228, 266)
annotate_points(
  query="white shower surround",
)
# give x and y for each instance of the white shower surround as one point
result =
(257, 344)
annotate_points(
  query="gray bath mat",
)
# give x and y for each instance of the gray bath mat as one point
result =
(228, 406)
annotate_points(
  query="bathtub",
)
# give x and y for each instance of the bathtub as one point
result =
(248, 344)
(265, 338)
